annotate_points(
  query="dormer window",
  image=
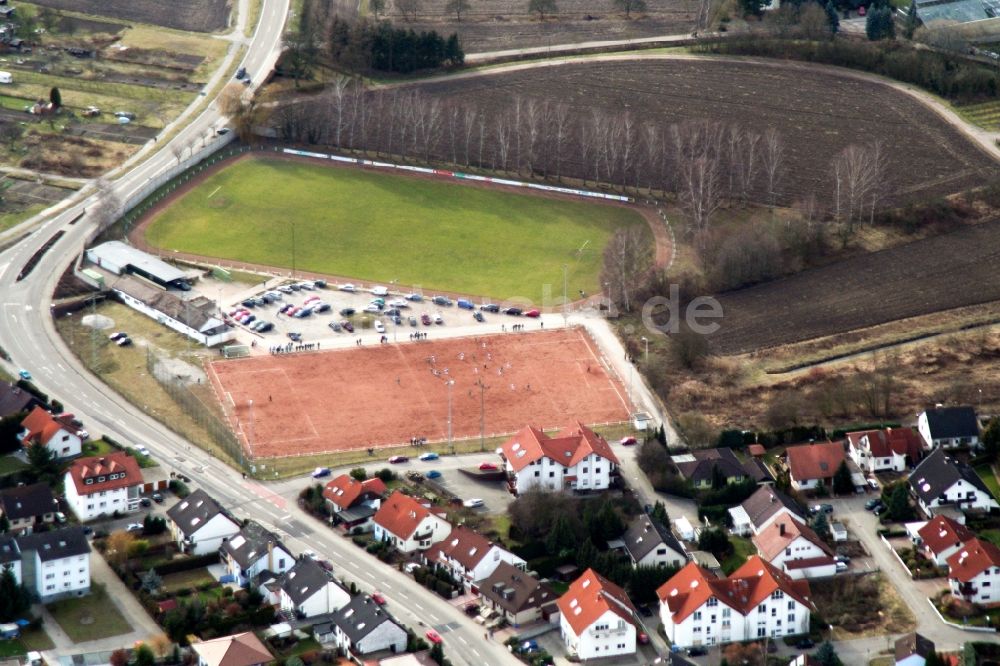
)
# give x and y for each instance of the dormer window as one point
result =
(100, 479)
(89, 482)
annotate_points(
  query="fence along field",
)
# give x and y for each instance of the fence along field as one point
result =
(382, 395)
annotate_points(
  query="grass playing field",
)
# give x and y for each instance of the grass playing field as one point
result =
(382, 227)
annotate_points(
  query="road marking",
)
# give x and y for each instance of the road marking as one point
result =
(464, 642)
(476, 652)
(213, 192)
(418, 607)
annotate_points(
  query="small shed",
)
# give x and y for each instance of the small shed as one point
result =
(838, 531)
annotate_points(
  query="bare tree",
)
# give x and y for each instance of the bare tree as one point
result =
(338, 91)
(749, 163)
(697, 149)
(456, 7)
(177, 150)
(533, 113)
(772, 157)
(629, 6)
(542, 7)
(857, 171)
(453, 117)
(560, 132)
(652, 152)
(502, 132)
(231, 99)
(408, 8)
(469, 125)
(626, 258)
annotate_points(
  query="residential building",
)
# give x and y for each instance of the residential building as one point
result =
(597, 619)
(363, 627)
(518, 596)
(10, 556)
(813, 465)
(55, 564)
(793, 547)
(237, 650)
(704, 467)
(913, 650)
(941, 537)
(409, 525)
(254, 550)
(27, 506)
(353, 502)
(103, 485)
(940, 480)
(974, 572)
(15, 400)
(469, 556)
(761, 509)
(887, 450)
(56, 434)
(757, 600)
(575, 459)
(307, 590)
(651, 544)
(949, 427)
(199, 524)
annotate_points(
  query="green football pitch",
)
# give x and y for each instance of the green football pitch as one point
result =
(382, 227)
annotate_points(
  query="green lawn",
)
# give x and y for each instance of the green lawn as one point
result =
(985, 473)
(383, 227)
(742, 549)
(991, 535)
(89, 618)
(10, 464)
(186, 579)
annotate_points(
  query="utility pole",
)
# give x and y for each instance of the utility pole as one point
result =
(451, 444)
(645, 357)
(250, 438)
(565, 296)
(482, 416)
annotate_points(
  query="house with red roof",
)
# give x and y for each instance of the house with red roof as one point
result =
(101, 485)
(353, 502)
(408, 524)
(886, 450)
(941, 537)
(576, 458)
(756, 601)
(597, 619)
(813, 465)
(793, 547)
(974, 572)
(469, 557)
(56, 434)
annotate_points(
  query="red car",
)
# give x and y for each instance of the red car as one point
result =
(488, 467)
(425, 319)
(433, 636)
(533, 313)
(628, 441)
(378, 598)
(643, 639)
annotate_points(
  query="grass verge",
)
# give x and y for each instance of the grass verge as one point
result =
(985, 473)
(10, 464)
(89, 618)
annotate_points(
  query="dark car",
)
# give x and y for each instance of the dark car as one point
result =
(348, 326)
(490, 307)
(697, 651)
(145, 501)
(294, 337)
(441, 300)
(478, 316)
(241, 72)
(805, 644)
(513, 312)
(347, 312)
(249, 303)
(158, 498)
(873, 504)
(334, 326)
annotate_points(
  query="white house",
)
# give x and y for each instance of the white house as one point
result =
(409, 525)
(761, 509)
(575, 459)
(362, 627)
(469, 556)
(237, 650)
(10, 556)
(791, 546)
(597, 619)
(940, 480)
(913, 650)
(103, 485)
(650, 544)
(974, 572)
(755, 601)
(56, 434)
(948, 427)
(307, 590)
(199, 524)
(941, 537)
(888, 450)
(55, 564)
(253, 551)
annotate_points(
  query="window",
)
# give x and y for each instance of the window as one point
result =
(712, 601)
(537, 473)
(50, 576)
(762, 608)
(552, 475)
(791, 618)
(697, 616)
(777, 594)
(100, 479)
(584, 470)
(791, 605)
(89, 482)
(726, 612)
(761, 632)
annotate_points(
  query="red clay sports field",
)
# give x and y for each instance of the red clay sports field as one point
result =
(382, 395)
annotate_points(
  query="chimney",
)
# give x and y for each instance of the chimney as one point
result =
(781, 529)
(270, 554)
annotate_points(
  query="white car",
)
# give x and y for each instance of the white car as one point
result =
(380, 291)
(411, 567)
(134, 527)
(348, 287)
(873, 483)
(379, 327)
(143, 450)
(473, 503)
(399, 303)
(83, 434)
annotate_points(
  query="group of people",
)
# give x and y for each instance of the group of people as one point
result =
(291, 347)
(418, 336)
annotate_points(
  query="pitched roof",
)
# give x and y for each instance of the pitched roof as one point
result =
(400, 515)
(941, 533)
(567, 448)
(514, 590)
(938, 472)
(884, 443)
(360, 617)
(815, 461)
(463, 545)
(8, 549)
(117, 469)
(911, 644)
(756, 450)
(949, 422)
(251, 544)
(784, 530)
(743, 590)
(644, 535)
(237, 650)
(27, 501)
(757, 470)
(767, 501)
(973, 558)
(304, 579)
(345, 490)
(42, 426)
(191, 513)
(589, 597)
(55, 544)
(14, 399)
(698, 465)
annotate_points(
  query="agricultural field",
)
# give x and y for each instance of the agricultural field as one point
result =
(817, 117)
(377, 226)
(505, 24)
(193, 15)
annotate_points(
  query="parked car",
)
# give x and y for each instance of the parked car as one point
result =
(347, 287)
(347, 312)
(490, 307)
(488, 467)
(628, 441)
(379, 327)
(320, 472)
(83, 434)
(643, 638)
(873, 484)
(412, 320)
(294, 337)
(285, 289)
(398, 303)
(308, 286)
(879, 510)
(379, 290)
(513, 312)
(24, 374)
(117, 336)
(473, 503)
(535, 314)
(805, 644)
(319, 284)
(222, 131)
(821, 508)
(348, 326)
(433, 474)
(438, 319)
(142, 450)
(60, 517)
(335, 326)
(265, 326)
(873, 504)
(158, 498)
(441, 300)
(433, 636)
(321, 307)
(373, 308)
(430, 455)
(396, 460)
(241, 73)
(465, 304)
(425, 319)
(145, 501)
(378, 598)
(697, 651)
(134, 527)
(842, 558)
(124, 342)
(478, 316)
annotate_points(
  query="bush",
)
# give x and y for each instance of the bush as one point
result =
(179, 488)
